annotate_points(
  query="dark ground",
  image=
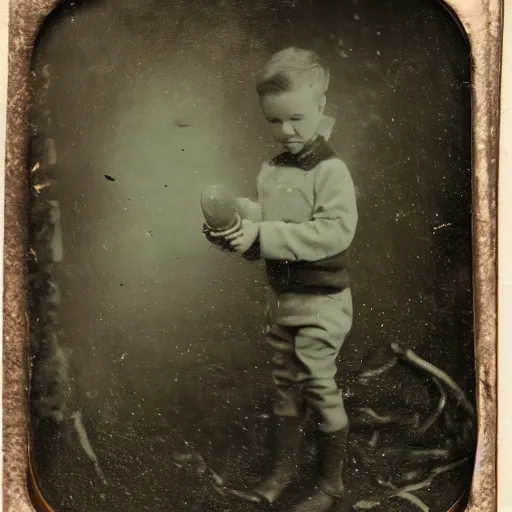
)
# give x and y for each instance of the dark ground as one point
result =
(164, 333)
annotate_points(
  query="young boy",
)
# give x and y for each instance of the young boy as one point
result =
(302, 225)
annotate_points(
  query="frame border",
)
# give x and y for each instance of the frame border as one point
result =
(480, 20)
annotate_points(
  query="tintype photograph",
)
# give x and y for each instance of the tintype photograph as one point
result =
(250, 257)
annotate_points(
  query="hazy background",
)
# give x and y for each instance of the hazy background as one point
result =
(165, 332)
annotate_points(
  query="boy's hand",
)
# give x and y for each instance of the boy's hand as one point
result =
(217, 239)
(242, 239)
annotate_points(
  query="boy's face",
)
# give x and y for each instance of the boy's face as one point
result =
(294, 115)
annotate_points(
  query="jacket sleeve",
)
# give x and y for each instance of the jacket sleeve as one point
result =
(333, 223)
(249, 210)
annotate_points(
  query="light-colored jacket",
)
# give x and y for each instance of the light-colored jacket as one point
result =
(307, 213)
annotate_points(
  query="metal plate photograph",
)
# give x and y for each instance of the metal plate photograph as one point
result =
(251, 249)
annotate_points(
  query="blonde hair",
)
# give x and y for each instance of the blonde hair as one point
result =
(292, 68)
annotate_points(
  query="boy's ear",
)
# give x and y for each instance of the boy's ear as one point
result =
(321, 105)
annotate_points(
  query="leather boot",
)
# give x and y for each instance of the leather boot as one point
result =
(287, 444)
(332, 451)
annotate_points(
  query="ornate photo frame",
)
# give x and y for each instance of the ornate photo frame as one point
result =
(482, 22)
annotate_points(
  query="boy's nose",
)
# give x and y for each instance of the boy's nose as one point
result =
(287, 129)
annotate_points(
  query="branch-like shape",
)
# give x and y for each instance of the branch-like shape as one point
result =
(437, 411)
(411, 357)
(406, 491)
(373, 372)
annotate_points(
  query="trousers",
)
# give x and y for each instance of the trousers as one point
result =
(305, 333)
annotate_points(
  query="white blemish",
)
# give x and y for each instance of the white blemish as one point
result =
(45, 72)
(40, 186)
(86, 445)
(366, 504)
(374, 440)
(445, 225)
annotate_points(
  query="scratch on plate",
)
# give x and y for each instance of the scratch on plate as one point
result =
(441, 226)
(86, 445)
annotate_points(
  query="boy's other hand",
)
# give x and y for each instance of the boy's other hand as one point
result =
(217, 239)
(242, 239)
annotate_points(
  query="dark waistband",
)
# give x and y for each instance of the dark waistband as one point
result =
(304, 277)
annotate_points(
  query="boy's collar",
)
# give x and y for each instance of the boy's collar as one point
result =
(313, 154)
